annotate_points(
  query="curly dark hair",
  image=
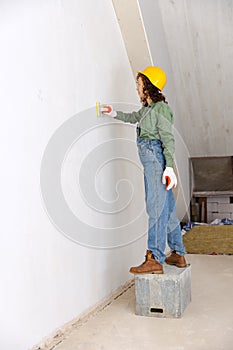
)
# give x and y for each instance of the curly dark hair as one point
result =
(150, 91)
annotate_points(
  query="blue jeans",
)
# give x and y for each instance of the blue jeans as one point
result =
(160, 204)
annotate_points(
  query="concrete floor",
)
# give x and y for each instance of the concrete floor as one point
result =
(207, 322)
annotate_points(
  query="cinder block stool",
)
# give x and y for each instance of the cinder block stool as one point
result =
(165, 295)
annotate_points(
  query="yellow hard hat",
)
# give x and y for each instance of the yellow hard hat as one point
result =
(156, 76)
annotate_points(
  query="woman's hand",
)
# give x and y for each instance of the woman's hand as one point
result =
(169, 178)
(108, 110)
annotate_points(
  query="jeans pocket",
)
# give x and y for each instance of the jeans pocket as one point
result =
(144, 150)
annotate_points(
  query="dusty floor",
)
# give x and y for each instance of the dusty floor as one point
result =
(207, 323)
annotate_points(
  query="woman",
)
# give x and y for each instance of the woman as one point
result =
(155, 143)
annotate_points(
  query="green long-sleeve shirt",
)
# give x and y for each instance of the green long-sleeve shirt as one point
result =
(155, 122)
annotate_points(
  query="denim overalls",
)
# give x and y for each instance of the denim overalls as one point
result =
(160, 204)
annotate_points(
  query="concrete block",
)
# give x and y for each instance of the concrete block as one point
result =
(221, 199)
(166, 295)
(225, 208)
(212, 207)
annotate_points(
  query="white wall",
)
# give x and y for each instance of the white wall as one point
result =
(56, 61)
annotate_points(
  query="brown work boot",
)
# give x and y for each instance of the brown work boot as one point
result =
(176, 259)
(150, 265)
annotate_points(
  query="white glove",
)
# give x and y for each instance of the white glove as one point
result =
(108, 110)
(169, 178)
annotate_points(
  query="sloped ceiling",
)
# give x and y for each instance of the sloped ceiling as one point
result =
(198, 40)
